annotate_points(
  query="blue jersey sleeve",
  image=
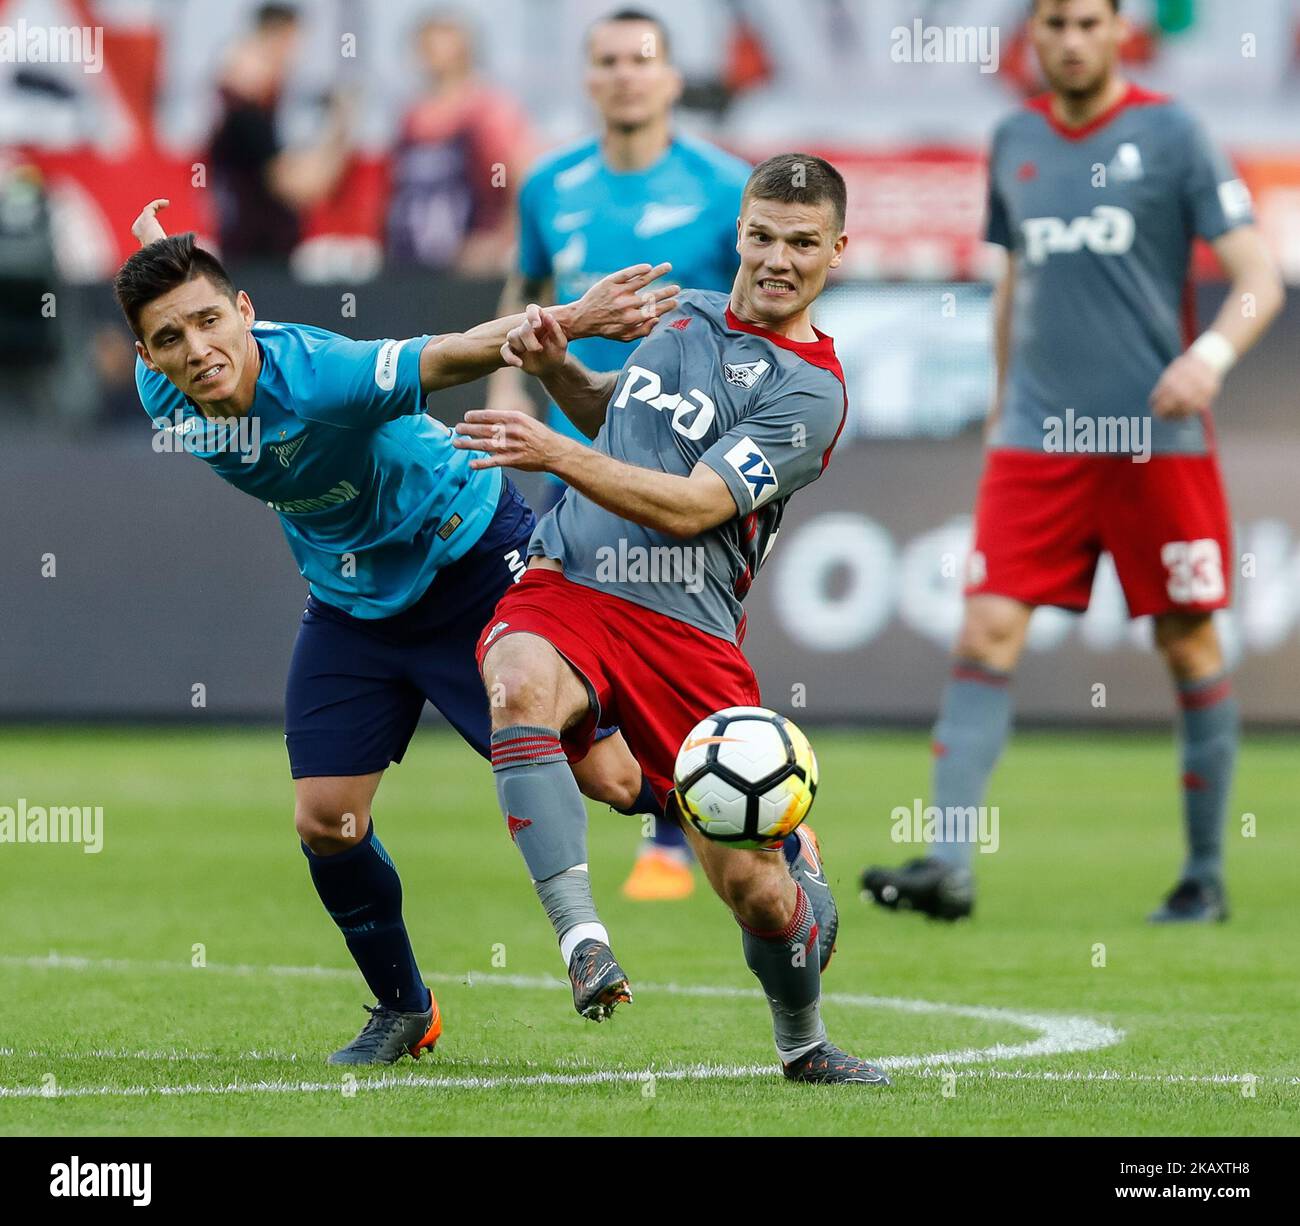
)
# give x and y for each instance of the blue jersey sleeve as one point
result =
(534, 261)
(359, 384)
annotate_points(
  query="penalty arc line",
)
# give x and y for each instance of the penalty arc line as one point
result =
(1057, 1034)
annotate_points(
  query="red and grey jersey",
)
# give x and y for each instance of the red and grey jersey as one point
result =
(1102, 220)
(705, 387)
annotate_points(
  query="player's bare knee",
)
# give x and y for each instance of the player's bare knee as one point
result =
(328, 830)
(520, 682)
(992, 634)
(1190, 646)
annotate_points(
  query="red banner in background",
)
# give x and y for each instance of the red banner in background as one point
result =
(914, 213)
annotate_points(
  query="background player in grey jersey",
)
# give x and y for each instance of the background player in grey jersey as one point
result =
(729, 407)
(1100, 437)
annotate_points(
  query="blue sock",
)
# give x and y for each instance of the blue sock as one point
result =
(1210, 728)
(363, 894)
(973, 726)
(668, 835)
(645, 802)
(791, 848)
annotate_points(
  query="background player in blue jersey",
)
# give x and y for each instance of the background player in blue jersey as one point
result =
(635, 190)
(406, 550)
(1098, 189)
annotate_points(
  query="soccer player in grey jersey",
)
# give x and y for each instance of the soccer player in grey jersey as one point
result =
(631, 606)
(1100, 437)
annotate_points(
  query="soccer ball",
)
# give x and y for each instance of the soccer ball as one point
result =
(746, 776)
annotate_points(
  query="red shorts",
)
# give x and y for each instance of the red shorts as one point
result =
(653, 676)
(1042, 521)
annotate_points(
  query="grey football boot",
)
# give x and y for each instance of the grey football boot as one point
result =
(390, 1034)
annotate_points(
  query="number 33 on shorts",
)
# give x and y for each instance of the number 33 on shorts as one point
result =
(1195, 571)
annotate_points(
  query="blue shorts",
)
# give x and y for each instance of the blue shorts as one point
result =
(357, 686)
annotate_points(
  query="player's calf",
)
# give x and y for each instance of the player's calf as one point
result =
(609, 774)
(780, 941)
(357, 883)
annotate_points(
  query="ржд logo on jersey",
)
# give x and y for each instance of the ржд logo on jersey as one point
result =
(755, 469)
(693, 413)
(1107, 230)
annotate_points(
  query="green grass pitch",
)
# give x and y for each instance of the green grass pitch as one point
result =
(122, 1034)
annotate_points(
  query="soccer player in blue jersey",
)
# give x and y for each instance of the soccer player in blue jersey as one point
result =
(405, 547)
(638, 191)
(1097, 190)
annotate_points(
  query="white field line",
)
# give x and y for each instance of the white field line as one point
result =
(1056, 1035)
(348, 1086)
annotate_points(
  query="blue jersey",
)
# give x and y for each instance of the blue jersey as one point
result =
(580, 221)
(372, 496)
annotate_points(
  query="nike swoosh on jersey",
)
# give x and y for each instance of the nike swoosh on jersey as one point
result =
(659, 218)
(564, 222)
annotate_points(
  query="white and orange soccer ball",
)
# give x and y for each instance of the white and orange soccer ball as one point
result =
(746, 776)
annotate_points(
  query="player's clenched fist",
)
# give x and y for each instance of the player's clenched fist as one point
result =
(509, 439)
(538, 345)
(1188, 386)
(622, 306)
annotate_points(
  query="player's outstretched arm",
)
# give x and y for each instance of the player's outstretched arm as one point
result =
(679, 506)
(539, 347)
(1191, 381)
(621, 307)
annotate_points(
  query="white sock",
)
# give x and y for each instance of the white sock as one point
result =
(579, 933)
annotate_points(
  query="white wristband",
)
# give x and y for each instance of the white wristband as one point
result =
(1215, 349)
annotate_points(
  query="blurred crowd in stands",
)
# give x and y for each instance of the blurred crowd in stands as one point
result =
(410, 128)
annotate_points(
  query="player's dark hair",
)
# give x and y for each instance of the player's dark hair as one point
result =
(159, 268)
(269, 16)
(665, 49)
(1033, 6)
(798, 178)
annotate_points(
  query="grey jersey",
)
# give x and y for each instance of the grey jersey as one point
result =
(1102, 220)
(704, 388)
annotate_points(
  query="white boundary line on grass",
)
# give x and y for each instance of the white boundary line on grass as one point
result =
(1057, 1034)
(697, 1072)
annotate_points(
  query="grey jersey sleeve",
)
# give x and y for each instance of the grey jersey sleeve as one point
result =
(784, 443)
(1214, 197)
(997, 227)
